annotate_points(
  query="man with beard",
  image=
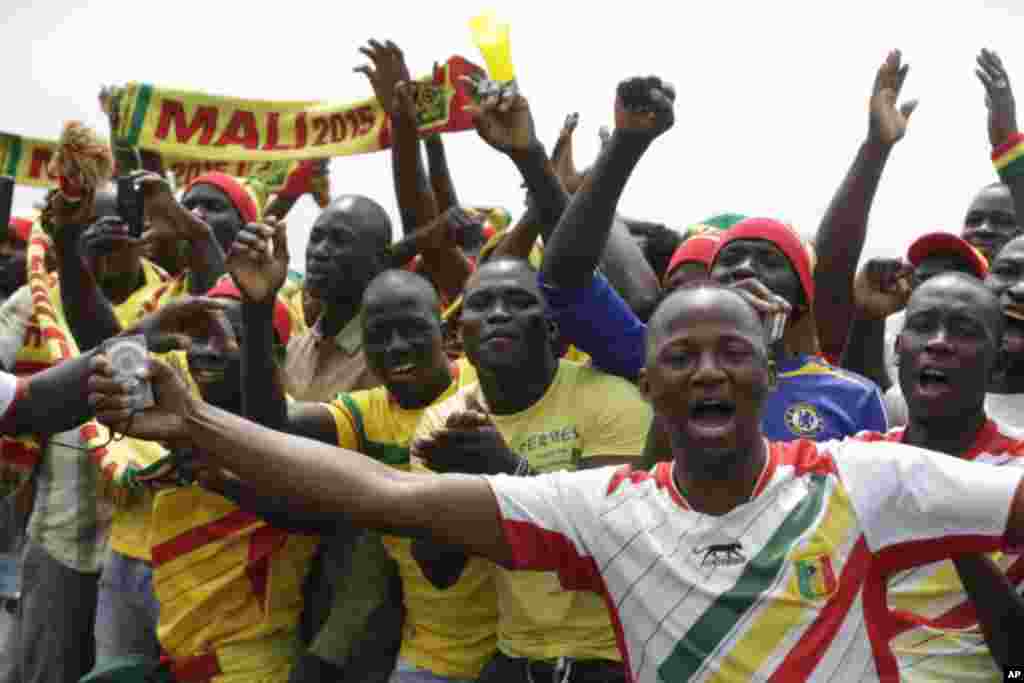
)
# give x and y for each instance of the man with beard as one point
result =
(949, 355)
(741, 558)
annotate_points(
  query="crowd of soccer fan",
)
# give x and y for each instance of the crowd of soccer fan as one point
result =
(576, 447)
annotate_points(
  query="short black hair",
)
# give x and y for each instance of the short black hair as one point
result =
(687, 288)
(660, 245)
(991, 301)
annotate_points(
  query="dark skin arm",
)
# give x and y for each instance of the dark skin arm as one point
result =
(170, 221)
(643, 111)
(57, 399)
(455, 510)
(999, 608)
(440, 175)
(1002, 116)
(840, 238)
(416, 203)
(880, 289)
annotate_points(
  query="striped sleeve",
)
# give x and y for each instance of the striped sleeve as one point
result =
(917, 506)
(544, 519)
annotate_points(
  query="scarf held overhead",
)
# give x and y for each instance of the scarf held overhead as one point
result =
(26, 160)
(193, 125)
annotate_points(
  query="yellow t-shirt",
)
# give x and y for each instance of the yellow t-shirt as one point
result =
(449, 632)
(584, 413)
(467, 373)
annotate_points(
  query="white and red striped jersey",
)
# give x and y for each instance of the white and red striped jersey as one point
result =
(789, 586)
(935, 631)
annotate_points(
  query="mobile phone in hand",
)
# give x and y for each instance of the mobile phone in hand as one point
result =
(129, 355)
(130, 205)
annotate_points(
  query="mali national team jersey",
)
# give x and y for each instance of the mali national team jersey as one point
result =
(817, 401)
(449, 632)
(787, 587)
(584, 413)
(937, 636)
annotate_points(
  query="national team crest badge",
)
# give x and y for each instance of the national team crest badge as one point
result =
(803, 419)
(815, 577)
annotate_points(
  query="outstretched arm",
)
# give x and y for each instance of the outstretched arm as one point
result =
(840, 238)
(453, 509)
(643, 111)
(440, 175)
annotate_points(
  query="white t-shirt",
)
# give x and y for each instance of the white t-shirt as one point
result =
(15, 314)
(791, 583)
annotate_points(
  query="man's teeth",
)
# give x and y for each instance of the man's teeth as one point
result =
(405, 367)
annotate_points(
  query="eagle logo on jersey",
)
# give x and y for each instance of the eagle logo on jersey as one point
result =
(803, 419)
(727, 554)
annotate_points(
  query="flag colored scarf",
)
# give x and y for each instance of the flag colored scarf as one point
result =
(26, 159)
(193, 125)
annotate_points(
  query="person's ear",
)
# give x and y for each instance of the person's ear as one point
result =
(643, 384)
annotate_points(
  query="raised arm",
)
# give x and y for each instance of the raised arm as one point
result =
(386, 70)
(456, 510)
(169, 220)
(90, 316)
(881, 289)
(259, 274)
(1003, 132)
(440, 175)
(840, 238)
(643, 111)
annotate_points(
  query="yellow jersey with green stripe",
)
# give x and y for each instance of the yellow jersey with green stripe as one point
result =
(450, 632)
(789, 586)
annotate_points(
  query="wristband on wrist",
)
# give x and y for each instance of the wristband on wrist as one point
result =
(1008, 158)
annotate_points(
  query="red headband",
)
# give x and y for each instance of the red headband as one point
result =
(783, 237)
(698, 249)
(230, 186)
(226, 289)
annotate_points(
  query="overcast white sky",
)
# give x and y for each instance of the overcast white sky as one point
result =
(771, 105)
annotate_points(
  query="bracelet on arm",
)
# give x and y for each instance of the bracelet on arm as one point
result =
(1008, 158)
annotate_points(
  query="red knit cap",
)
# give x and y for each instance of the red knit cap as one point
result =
(784, 238)
(697, 249)
(236, 192)
(226, 289)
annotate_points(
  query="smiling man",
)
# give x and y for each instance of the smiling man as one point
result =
(447, 635)
(743, 558)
